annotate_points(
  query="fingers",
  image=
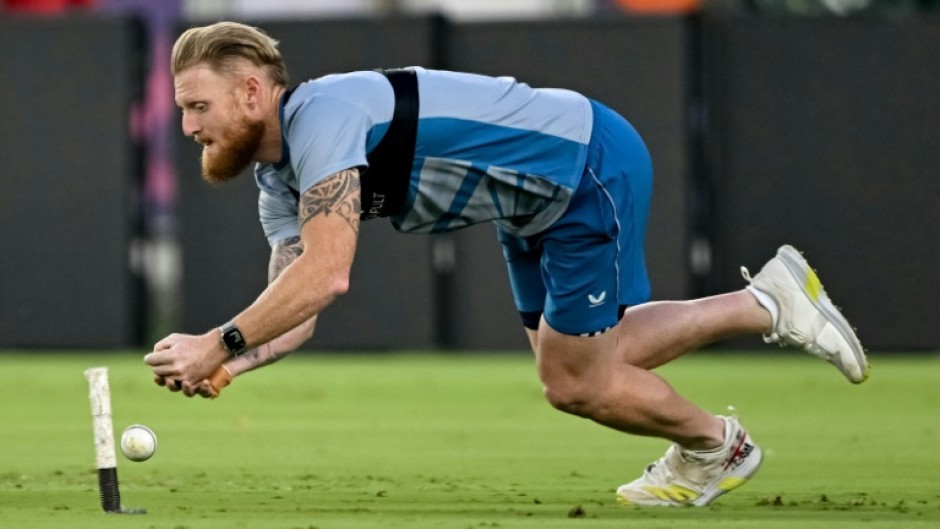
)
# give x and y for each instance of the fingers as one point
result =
(164, 362)
(179, 363)
(202, 389)
(161, 364)
(162, 358)
(165, 343)
(157, 357)
(206, 390)
(171, 384)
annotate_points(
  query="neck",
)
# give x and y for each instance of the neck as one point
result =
(271, 149)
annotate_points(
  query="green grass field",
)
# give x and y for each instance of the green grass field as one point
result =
(460, 441)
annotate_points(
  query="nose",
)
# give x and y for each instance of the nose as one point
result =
(190, 127)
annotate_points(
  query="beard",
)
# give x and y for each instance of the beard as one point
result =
(232, 154)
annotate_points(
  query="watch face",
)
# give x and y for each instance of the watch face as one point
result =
(233, 340)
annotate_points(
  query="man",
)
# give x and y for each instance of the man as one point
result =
(566, 181)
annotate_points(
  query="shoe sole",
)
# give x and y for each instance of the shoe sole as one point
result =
(725, 485)
(670, 496)
(813, 290)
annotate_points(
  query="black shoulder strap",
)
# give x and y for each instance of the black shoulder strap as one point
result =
(385, 182)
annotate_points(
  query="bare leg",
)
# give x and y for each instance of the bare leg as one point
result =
(656, 333)
(607, 379)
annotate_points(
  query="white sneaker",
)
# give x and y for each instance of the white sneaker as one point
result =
(686, 477)
(806, 316)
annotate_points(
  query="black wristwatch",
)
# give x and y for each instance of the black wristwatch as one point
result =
(232, 339)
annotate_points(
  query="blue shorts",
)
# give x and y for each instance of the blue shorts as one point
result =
(584, 269)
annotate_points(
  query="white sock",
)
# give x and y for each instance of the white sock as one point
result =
(718, 450)
(767, 302)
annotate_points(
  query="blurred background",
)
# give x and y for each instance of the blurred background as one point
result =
(810, 122)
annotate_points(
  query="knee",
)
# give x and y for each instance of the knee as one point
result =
(574, 372)
(570, 394)
(572, 379)
(566, 401)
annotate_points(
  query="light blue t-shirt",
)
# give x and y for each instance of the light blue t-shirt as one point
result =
(487, 149)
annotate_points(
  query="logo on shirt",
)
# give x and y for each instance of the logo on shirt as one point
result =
(378, 202)
(597, 301)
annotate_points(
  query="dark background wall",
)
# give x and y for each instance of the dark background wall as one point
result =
(67, 188)
(823, 135)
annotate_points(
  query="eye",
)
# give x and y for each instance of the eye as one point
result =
(198, 108)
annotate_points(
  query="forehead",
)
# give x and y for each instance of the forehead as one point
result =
(199, 82)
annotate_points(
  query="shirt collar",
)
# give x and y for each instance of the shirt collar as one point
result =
(285, 150)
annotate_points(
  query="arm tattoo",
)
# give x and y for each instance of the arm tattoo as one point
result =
(259, 356)
(284, 253)
(337, 194)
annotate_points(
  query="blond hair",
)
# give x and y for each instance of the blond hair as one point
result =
(222, 44)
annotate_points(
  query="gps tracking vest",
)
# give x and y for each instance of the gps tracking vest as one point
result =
(385, 182)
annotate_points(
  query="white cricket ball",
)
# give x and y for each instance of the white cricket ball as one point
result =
(138, 443)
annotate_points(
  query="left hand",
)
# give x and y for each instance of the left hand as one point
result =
(187, 358)
(204, 389)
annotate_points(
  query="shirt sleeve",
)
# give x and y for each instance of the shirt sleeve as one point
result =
(327, 135)
(277, 208)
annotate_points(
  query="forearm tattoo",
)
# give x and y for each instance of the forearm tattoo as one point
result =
(337, 194)
(284, 253)
(259, 356)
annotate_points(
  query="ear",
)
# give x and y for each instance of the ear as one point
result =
(253, 92)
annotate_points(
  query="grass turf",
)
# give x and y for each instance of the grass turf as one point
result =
(460, 441)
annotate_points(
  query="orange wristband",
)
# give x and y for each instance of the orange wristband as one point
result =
(219, 378)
